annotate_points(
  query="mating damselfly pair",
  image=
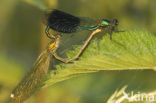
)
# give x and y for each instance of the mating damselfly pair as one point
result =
(66, 24)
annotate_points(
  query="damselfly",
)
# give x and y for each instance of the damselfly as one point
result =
(65, 24)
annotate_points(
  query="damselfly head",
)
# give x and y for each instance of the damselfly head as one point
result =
(105, 23)
(115, 22)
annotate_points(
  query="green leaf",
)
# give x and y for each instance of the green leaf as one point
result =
(137, 51)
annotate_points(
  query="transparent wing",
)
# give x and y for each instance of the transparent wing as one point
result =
(88, 22)
(68, 41)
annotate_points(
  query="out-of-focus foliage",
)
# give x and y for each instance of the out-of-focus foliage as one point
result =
(10, 74)
(11, 71)
(21, 39)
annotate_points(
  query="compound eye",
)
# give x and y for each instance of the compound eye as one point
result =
(115, 21)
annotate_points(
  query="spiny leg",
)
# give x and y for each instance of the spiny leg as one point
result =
(111, 35)
(80, 51)
(48, 34)
(115, 40)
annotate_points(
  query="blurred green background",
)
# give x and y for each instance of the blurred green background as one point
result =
(22, 38)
